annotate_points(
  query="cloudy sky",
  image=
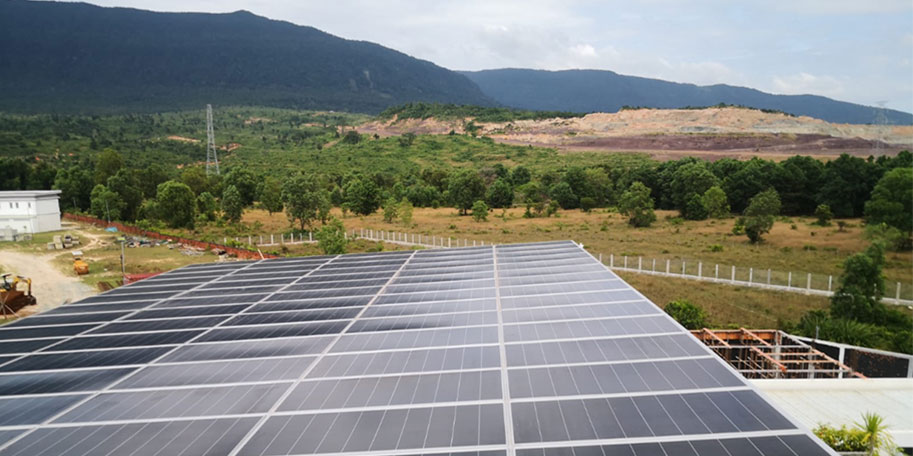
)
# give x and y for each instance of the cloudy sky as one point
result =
(852, 50)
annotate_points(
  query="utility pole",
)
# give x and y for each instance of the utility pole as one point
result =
(212, 158)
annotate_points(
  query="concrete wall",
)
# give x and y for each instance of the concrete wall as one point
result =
(27, 212)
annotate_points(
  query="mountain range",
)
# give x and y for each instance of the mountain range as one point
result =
(607, 91)
(80, 58)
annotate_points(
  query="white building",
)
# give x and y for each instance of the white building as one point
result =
(29, 211)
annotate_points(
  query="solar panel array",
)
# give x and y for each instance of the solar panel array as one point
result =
(531, 349)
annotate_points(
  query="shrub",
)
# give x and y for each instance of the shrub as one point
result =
(687, 314)
(331, 238)
(480, 211)
(824, 215)
(716, 248)
(637, 205)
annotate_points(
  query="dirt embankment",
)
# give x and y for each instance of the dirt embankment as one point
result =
(667, 133)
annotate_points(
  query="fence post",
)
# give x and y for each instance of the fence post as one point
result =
(449, 242)
(611, 260)
(626, 262)
(700, 269)
(654, 265)
(600, 258)
(808, 283)
(261, 239)
(897, 294)
(789, 280)
(271, 239)
(768, 276)
(716, 272)
(733, 274)
(225, 241)
(683, 267)
(830, 282)
(639, 263)
(750, 275)
(668, 263)
(249, 242)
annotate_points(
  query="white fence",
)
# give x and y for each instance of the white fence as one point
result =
(793, 282)
(798, 282)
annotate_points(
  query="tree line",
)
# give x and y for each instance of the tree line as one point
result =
(757, 190)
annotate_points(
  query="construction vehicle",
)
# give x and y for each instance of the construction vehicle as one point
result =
(12, 295)
(80, 266)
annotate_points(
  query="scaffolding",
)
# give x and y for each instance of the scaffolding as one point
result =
(772, 354)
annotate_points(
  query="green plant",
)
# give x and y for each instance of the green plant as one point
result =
(823, 214)
(331, 238)
(877, 440)
(841, 439)
(687, 314)
(716, 248)
(637, 205)
(480, 211)
(759, 215)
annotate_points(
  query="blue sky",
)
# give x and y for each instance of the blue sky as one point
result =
(851, 50)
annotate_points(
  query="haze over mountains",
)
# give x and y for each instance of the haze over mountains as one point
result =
(80, 58)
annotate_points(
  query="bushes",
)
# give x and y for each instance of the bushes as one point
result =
(687, 314)
(637, 205)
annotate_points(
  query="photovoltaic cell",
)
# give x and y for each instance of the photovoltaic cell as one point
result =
(529, 349)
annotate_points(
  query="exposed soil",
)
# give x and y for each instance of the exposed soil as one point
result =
(51, 286)
(672, 133)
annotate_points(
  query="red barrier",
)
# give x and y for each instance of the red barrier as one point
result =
(244, 254)
(131, 278)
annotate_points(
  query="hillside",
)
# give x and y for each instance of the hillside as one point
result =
(670, 133)
(80, 58)
(607, 91)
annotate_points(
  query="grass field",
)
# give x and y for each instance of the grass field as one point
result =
(805, 248)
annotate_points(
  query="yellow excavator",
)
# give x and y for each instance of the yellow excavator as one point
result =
(15, 293)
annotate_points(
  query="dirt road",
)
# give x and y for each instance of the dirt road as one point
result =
(50, 286)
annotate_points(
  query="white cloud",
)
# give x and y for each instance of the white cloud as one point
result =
(805, 83)
(583, 50)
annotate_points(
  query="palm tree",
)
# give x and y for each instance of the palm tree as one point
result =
(876, 435)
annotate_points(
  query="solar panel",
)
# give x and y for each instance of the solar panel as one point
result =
(530, 349)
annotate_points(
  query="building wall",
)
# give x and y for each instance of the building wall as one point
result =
(30, 214)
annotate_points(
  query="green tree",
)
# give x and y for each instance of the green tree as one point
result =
(715, 202)
(637, 205)
(587, 204)
(824, 215)
(195, 177)
(331, 238)
(564, 195)
(406, 139)
(75, 185)
(520, 175)
(232, 205)
(271, 195)
(500, 194)
(206, 206)
(689, 179)
(405, 212)
(480, 211)
(107, 163)
(391, 209)
(858, 297)
(362, 196)
(847, 184)
(892, 201)
(126, 184)
(106, 205)
(687, 314)
(694, 208)
(245, 181)
(175, 204)
(152, 176)
(351, 137)
(465, 187)
(306, 200)
(760, 214)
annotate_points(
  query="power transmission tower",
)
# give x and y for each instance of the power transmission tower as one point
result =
(212, 158)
